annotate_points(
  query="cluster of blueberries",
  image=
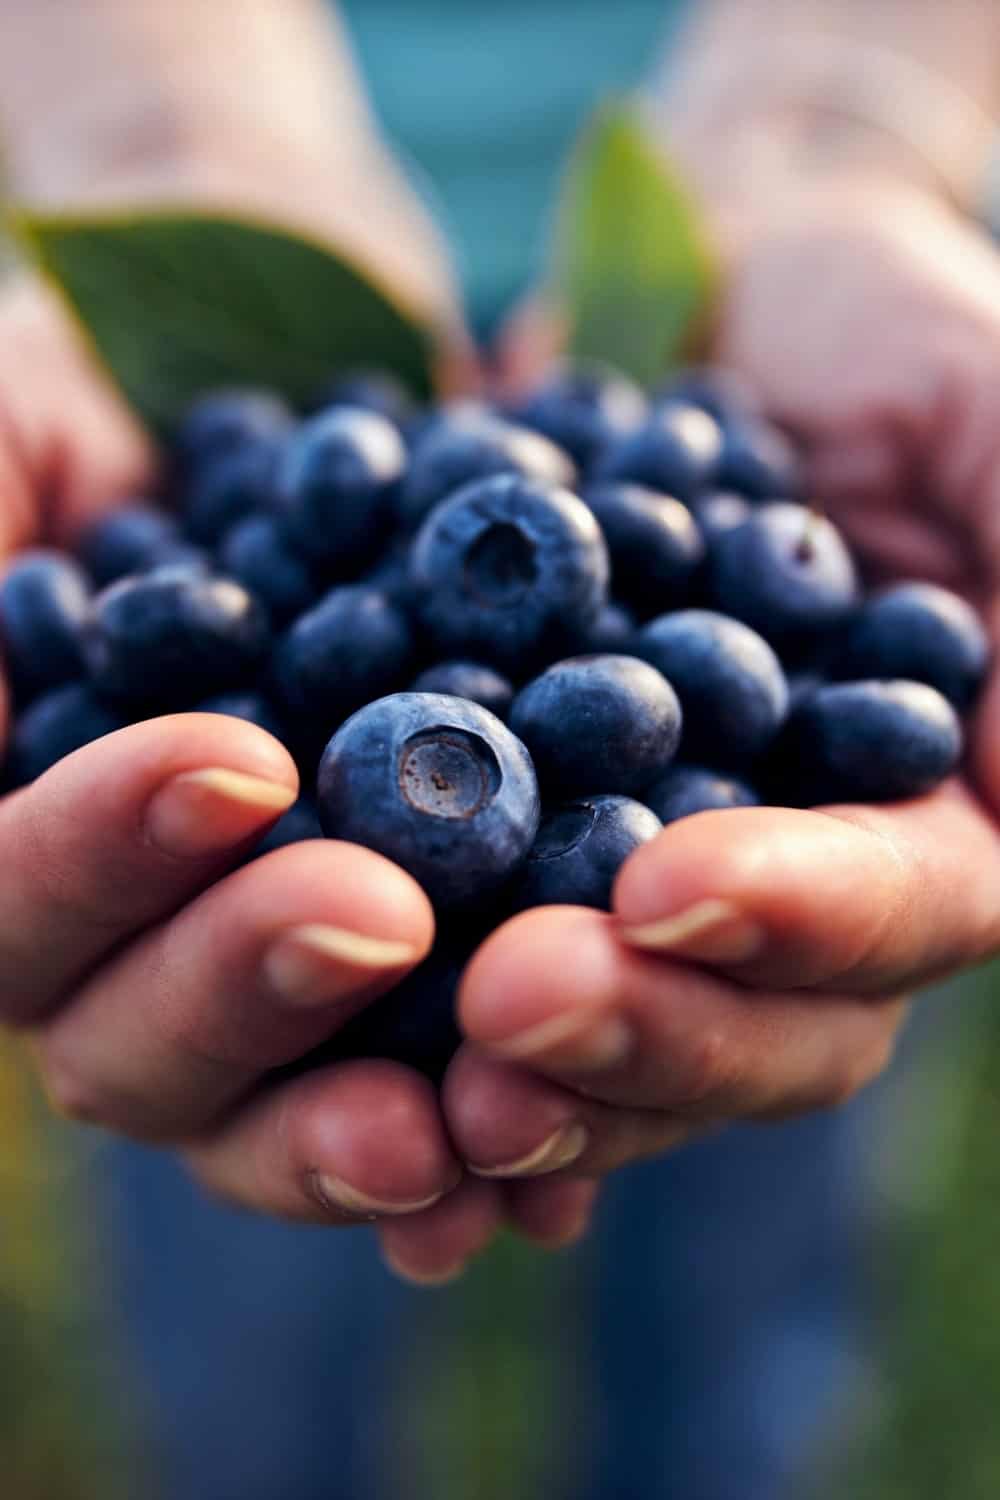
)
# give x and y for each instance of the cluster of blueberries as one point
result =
(505, 646)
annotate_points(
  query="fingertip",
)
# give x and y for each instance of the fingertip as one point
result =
(554, 1215)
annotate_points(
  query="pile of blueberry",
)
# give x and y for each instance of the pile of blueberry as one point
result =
(504, 646)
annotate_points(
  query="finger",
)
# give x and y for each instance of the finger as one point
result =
(256, 972)
(434, 1247)
(508, 1122)
(529, 341)
(352, 1143)
(985, 737)
(552, 1212)
(119, 834)
(862, 899)
(556, 991)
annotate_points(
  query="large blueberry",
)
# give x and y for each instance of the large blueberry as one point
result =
(251, 706)
(221, 422)
(464, 445)
(655, 544)
(598, 722)
(335, 482)
(128, 540)
(354, 645)
(256, 553)
(583, 409)
(468, 679)
(676, 451)
(758, 461)
(44, 602)
(612, 631)
(54, 726)
(373, 390)
(229, 488)
(867, 742)
(437, 784)
(685, 790)
(579, 850)
(718, 512)
(922, 632)
(725, 394)
(730, 684)
(170, 638)
(787, 572)
(510, 571)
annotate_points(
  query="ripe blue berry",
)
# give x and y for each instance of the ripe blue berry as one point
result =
(335, 482)
(725, 394)
(786, 572)
(170, 638)
(758, 461)
(685, 790)
(718, 512)
(250, 706)
(463, 446)
(226, 490)
(373, 390)
(868, 742)
(583, 409)
(676, 451)
(351, 647)
(579, 850)
(125, 541)
(256, 553)
(222, 422)
(44, 602)
(731, 686)
(655, 544)
(468, 679)
(509, 571)
(54, 726)
(608, 722)
(437, 784)
(921, 632)
(612, 631)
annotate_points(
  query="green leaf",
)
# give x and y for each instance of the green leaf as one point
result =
(177, 302)
(631, 267)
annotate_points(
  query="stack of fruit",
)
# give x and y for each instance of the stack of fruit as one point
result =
(504, 646)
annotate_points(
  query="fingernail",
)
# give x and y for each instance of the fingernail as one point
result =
(311, 964)
(711, 931)
(563, 1147)
(443, 1277)
(336, 1193)
(572, 1040)
(200, 813)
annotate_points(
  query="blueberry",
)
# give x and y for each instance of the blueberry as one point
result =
(509, 571)
(468, 679)
(416, 1023)
(685, 790)
(226, 490)
(54, 726)
(127, 541)
(373, 390)
(256, 553)
(598, 721)
(335, 483)
(437, 784)
(868, 742)
(464, 446)
(354, 645)
(725, 394)
(579, 850)
(921, 632)
(583, 409)
(730, 684)
(718, 512)
(296, 826)
(675, 451)
(251, 706)
(221, 422)
(758, 461)
(655, 544)
(391, 571)
(787, 572)
(44, 603)
(613, 631)
(167, 639)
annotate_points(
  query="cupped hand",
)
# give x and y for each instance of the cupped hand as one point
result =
(756, 960)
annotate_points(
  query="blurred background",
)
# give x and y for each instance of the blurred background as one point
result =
(514, 1377)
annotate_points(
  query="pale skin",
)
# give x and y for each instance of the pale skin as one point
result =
(756, 961)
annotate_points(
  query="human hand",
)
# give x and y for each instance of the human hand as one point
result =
(756, 960)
